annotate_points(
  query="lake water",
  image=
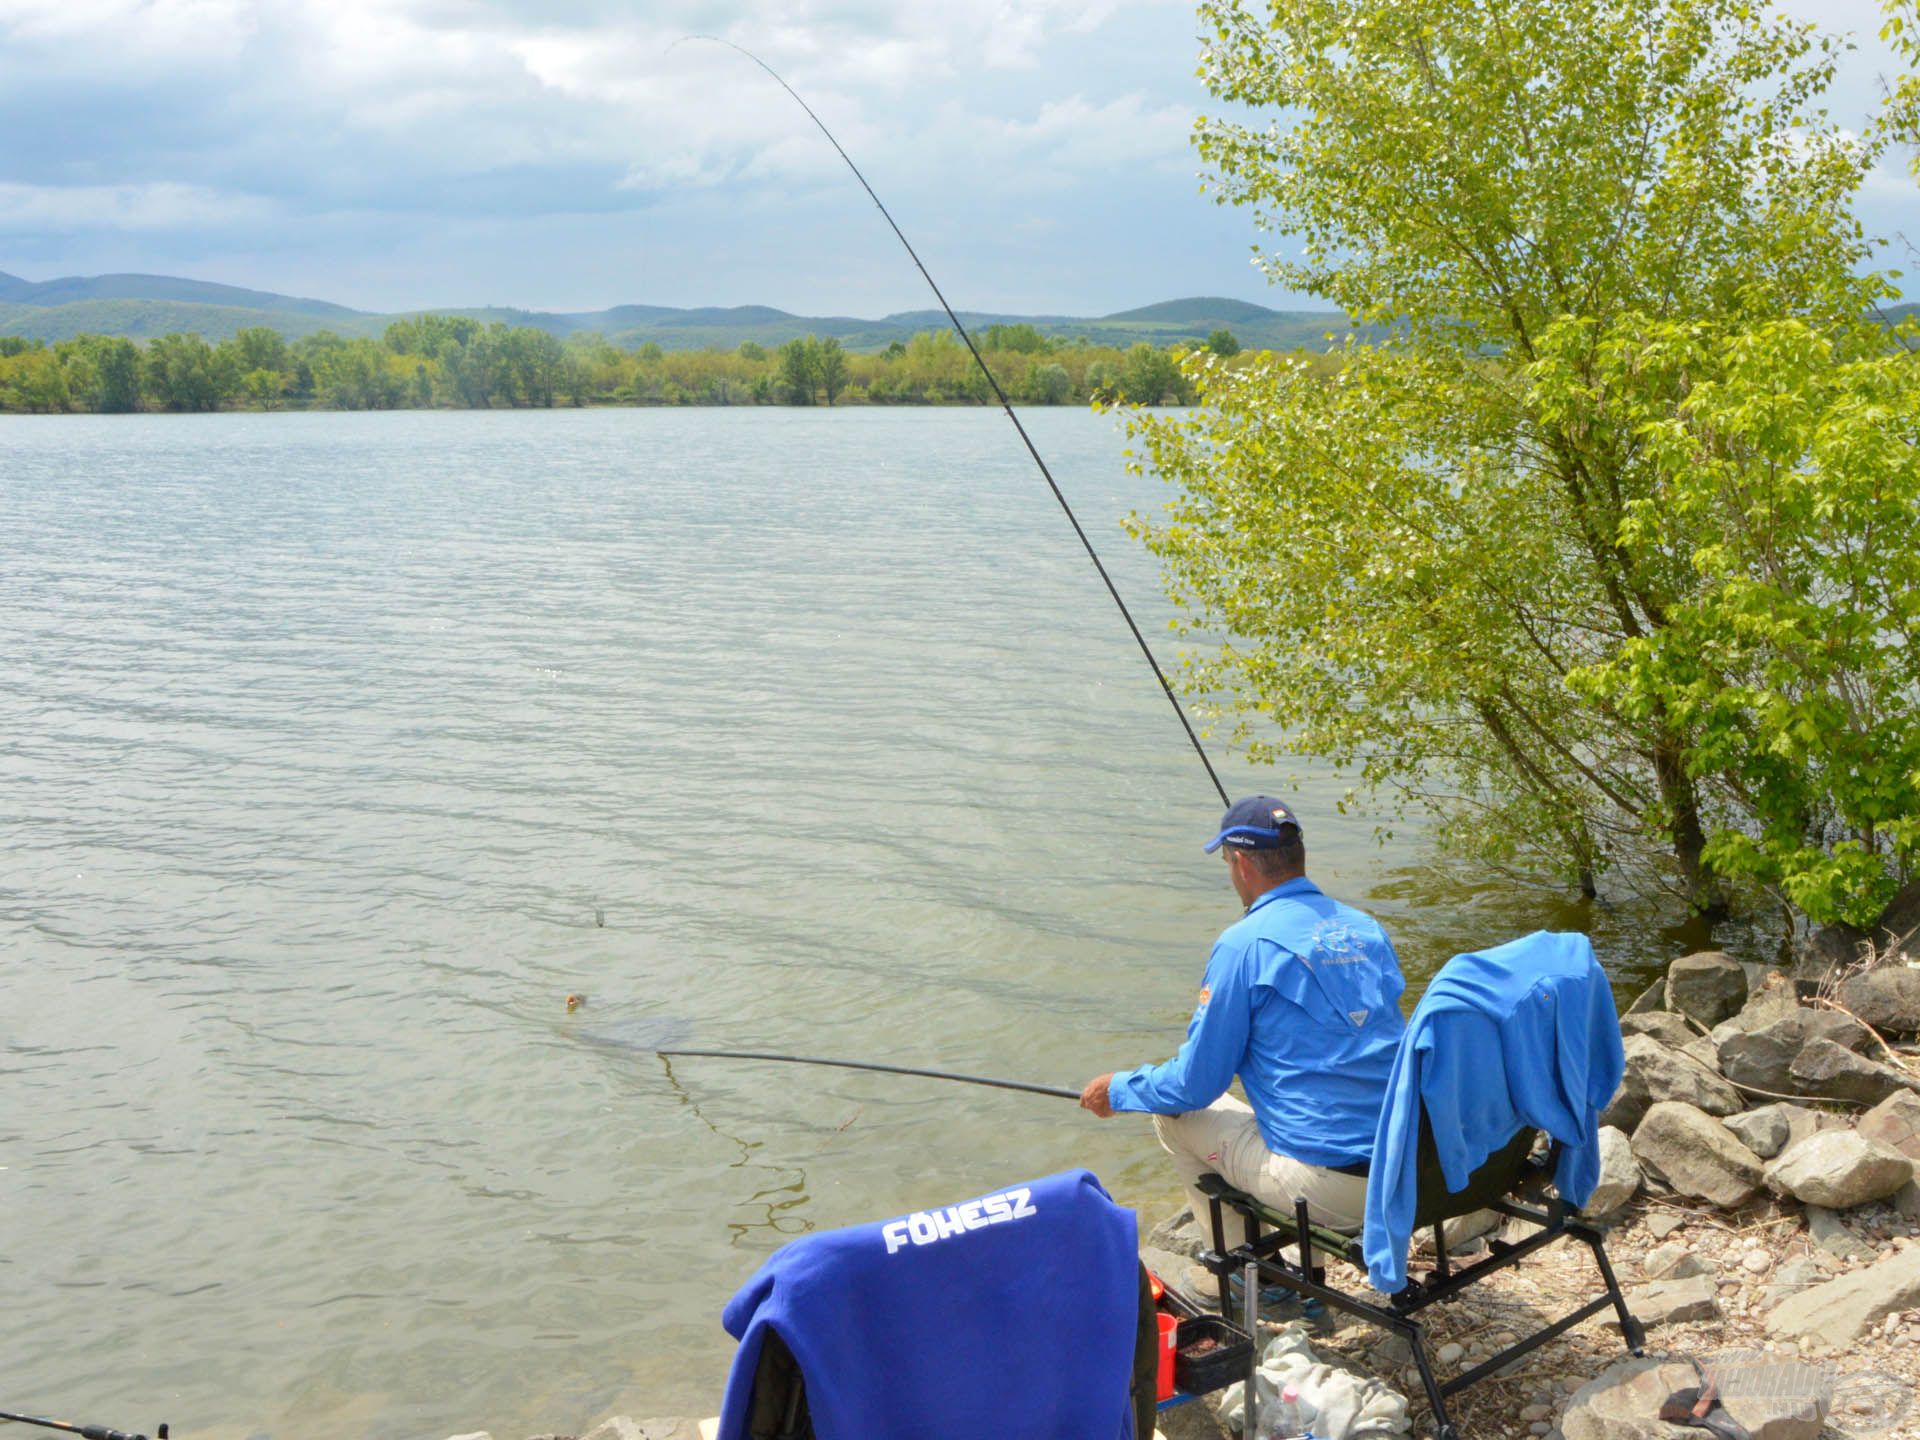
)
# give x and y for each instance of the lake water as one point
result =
(336, 751)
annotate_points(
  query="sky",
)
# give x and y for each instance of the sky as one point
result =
(576, 154)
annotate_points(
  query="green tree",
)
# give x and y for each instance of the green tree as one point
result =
(800, 369)
(118, 362)
(1020, 338)
(1786, 472)
(262, 387)
(1150, 377)
(1419, 562)
(260, 349)
(1222, 343)
(830, 366)
(752, 351)
(1050, 384)
(35, 381)
(182, 372)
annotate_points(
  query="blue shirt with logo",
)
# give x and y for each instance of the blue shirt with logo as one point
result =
(1302, 1001)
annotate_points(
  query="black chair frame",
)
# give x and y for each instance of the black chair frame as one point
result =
(1285, 1257)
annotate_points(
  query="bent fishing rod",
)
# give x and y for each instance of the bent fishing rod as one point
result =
(1054, 1090)
(89, 1432)
(1166, 686)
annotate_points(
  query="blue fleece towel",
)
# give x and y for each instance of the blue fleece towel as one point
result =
(1523, 1034)
(1013, 1315)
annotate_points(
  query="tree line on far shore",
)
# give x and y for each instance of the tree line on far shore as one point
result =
(454, 362)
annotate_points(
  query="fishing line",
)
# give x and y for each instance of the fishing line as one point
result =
(1053, 1090)
(1166, 686)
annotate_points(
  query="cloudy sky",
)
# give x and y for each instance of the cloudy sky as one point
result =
(569, 154)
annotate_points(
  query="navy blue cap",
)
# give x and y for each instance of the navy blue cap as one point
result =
(1254, 824)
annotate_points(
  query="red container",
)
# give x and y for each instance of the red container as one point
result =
(1169, 1342)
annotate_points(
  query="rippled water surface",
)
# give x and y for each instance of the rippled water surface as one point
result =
(337, 750)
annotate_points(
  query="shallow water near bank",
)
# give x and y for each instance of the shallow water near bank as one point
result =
(336, 751)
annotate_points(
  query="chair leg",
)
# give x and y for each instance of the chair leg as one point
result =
(1631, 1330)
(1436, 1402)
(1220, 1248)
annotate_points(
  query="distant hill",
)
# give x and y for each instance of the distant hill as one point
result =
(142, 306)
(73, 289)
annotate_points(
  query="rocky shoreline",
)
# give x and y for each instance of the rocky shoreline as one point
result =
(1761, 1207)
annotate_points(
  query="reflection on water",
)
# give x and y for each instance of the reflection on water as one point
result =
(336, 751)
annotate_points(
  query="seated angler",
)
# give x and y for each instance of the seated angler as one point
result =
(1301, 999)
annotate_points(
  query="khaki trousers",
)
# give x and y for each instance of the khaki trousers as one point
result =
(1225, 1139)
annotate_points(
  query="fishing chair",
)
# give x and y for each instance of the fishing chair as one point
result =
(1282, 1251)
(1567, 1020)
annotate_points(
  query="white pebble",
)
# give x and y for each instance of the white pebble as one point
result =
(1757, 1261)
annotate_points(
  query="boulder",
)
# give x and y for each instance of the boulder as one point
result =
(1179, 1233)
(1619, 1175)
(1843, 945)
(1654, 1072)
(1886, 997)
(1839, 1312)
(1674, 1302)
(1828, 1071)
(1663, 1026)
(1763, 1131)
(1838, 1169)
(1907, 1200)
(1827, 1230)
(1774, 999)
(1707, 986)
(1771, 1401)
(1764, 1058)
(1654, 997)
(1625, 1111)
(1895, 1121)
(1696, 1154)
(1704, 1051)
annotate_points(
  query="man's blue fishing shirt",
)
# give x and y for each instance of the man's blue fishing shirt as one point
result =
(1301, 1000)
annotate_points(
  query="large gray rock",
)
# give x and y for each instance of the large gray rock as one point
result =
(1774, 999)
(1763, 1131)
(1838, 1169)
(1764, 1058)
(1655, 1073)
(1841, 1311)
(1770, 1400)
(1827, 1071)
(1827, 1230)
(1895, 1121)
(1664, 1026)
(1625, 1111)
(1887, 998)
(1654, 997)
(1674, 1302)
(1619, 1175)
(1841, 945)
(1179, 1233)
(1707, 986)
(1696, 1155)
